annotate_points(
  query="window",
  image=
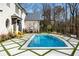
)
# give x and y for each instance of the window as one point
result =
(8, 4)
(16, 9)
(1, 10)
(14, 20)
(7, 23)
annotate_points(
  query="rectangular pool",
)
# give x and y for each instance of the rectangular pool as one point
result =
(45, 41)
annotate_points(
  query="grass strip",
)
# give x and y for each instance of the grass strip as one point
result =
(34, 52)
(16, 42)
(25, 42)
(75, 49)
(40, 54)
(47, 52)
(70, 44)
(5, 50)
(9, 48)
(61, 52)
(22, 44)
(19, 53)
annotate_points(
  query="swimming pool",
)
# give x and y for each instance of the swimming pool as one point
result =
(45, 41)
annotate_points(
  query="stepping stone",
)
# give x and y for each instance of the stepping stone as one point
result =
(14, 51)
(26, 38)
(75, 46)
(1, 48)
(21, 43)
(77, 53)
(10, 46)
(17, 40)
(73, 40)
(27, 53)
(66, 38)
(41, 52)
(3, 53)
(8, 42)
(73, 43)
(54, 53)
(66, 51)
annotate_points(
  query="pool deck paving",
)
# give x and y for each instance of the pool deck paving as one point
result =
(12, 48)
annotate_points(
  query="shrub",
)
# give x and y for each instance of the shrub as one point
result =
(49, 28)
(25, 31)
(19, 34)
(4, 37)
(11, 35)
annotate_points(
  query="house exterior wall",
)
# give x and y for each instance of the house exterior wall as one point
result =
(23, 21)
(6, 13)
(33, 26)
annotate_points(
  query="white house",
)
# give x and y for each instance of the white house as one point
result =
(32, 22)
(32, 25)
(12, 17)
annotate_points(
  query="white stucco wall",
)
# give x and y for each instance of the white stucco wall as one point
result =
(23, 20)
(33, 25)
(6, 14)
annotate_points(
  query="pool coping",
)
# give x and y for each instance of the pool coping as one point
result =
(45, 48)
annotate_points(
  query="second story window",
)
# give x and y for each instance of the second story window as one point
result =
(8, 4)
(16, 9)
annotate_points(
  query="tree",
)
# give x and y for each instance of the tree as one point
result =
(65, 16)
(74, 15)
(76, 22)
(46, 16)
(72, 7)
(59, 13)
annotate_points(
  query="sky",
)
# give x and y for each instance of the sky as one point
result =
(33, 8)
(30, 7)
(37, 8)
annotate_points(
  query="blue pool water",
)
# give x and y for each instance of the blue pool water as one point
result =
(46, 41)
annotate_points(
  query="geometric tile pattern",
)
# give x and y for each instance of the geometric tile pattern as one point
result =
(11, 48)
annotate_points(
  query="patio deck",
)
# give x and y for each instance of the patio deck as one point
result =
(11, 48)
